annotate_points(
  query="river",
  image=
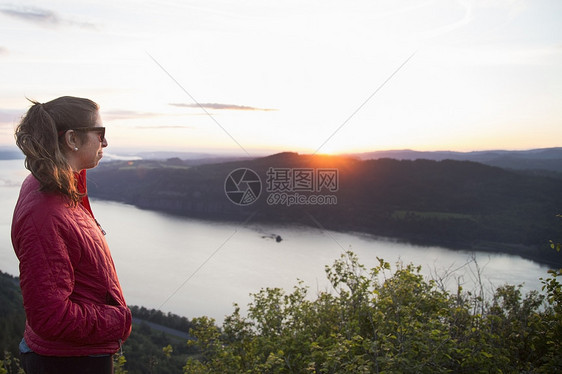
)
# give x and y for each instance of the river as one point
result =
(193, 267)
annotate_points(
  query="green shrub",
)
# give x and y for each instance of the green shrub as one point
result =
(376, 321)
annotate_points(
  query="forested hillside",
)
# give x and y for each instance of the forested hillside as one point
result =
(457, 204)
(144, 350)
(543, 159)
(12, 317)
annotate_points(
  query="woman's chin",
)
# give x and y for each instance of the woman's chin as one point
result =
(94, 163)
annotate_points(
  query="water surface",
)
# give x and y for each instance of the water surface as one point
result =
(193, 267)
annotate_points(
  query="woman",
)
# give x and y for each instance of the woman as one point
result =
(76, 314)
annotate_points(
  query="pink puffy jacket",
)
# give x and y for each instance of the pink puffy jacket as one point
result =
(72, 298)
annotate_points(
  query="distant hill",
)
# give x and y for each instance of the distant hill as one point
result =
(191, 158)
(10, 153)
(456, 204)
(543, 159)
(534, 159)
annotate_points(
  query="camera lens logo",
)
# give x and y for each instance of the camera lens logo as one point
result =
(242, 186)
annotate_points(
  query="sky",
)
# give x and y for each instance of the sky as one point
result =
(250, 77)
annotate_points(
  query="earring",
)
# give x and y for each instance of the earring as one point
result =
(75, 148)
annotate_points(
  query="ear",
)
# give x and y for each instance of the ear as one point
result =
(71, 141)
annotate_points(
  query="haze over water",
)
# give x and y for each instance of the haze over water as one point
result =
(193, 267)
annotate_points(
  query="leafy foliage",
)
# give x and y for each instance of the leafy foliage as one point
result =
(10, 364)
(554, 245)
(376, 321)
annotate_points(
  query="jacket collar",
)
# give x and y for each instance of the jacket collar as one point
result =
(81, 183)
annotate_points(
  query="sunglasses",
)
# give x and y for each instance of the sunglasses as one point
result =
(100, 130)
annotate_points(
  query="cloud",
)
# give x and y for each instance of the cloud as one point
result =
(163, 127)
(126, 114)
(112, 115)
(217, 106)
(43, 17)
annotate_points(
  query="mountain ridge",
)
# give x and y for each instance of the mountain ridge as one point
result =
(545, 159)
(532, 159)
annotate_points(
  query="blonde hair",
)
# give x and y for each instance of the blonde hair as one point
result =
(38, 135)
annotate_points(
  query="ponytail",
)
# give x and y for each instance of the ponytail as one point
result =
(37, 136)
